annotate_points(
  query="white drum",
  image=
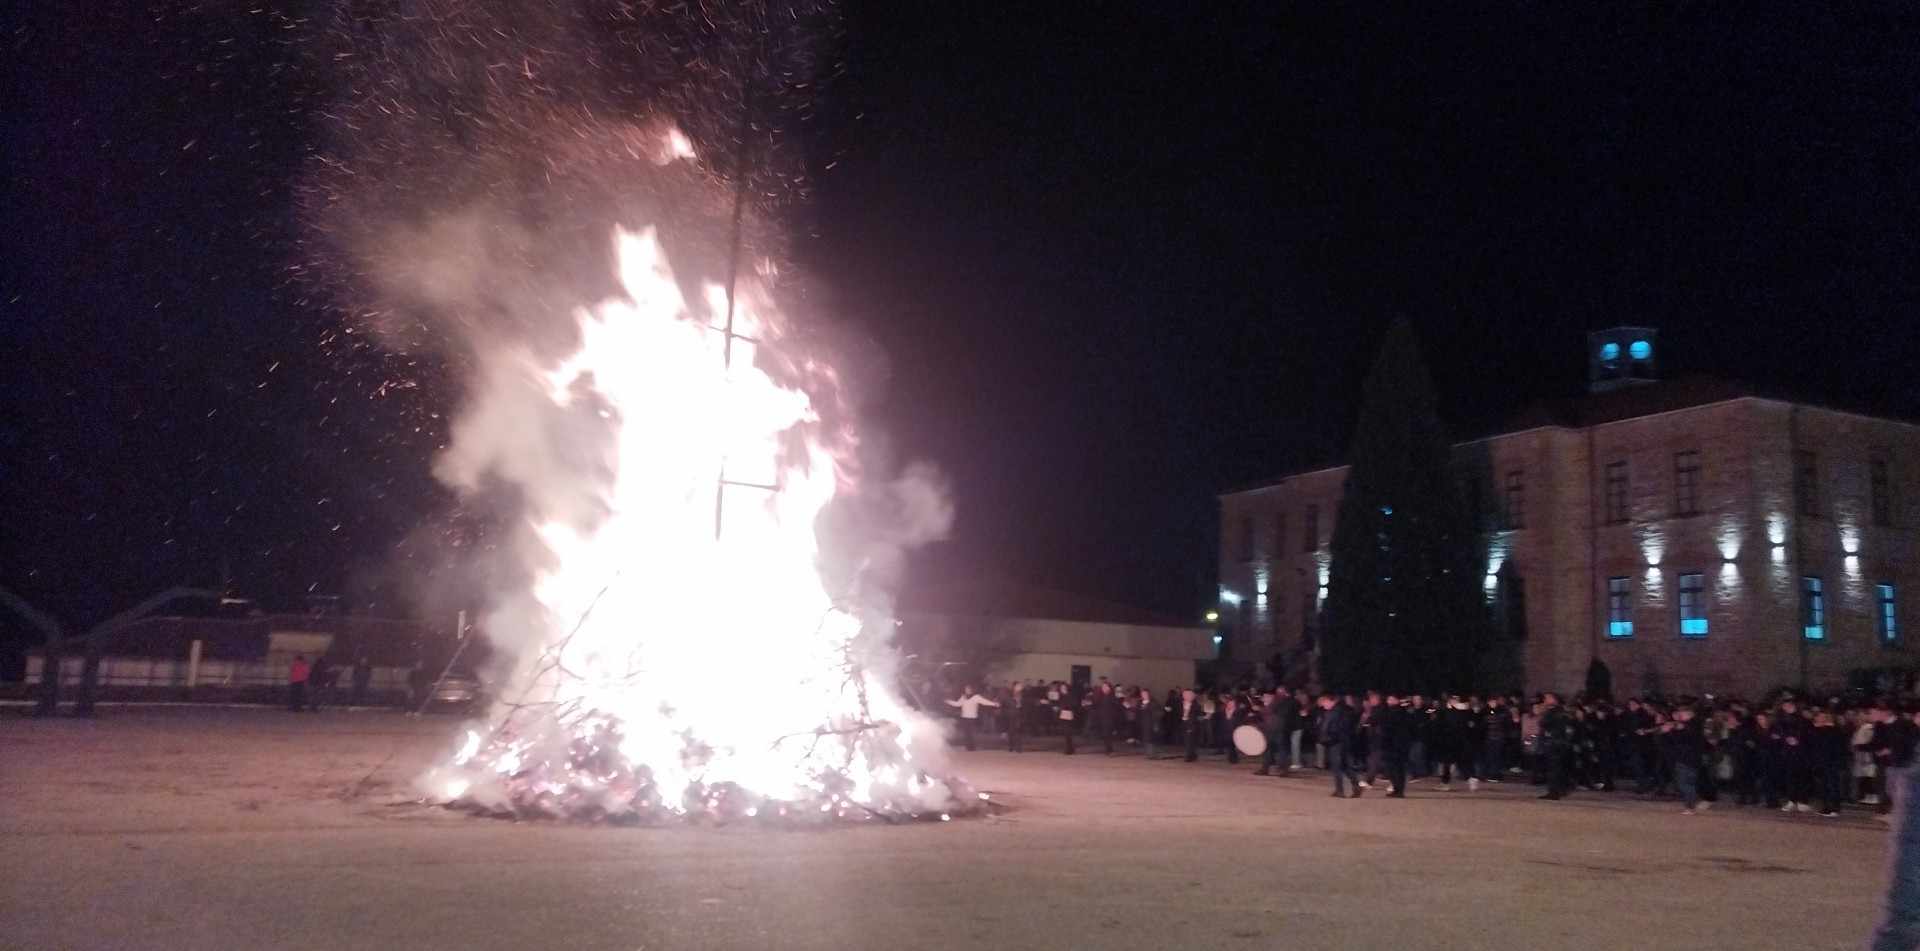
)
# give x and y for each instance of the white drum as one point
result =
(1249, 740)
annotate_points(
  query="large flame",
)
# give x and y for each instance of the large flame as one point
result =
(690, 660)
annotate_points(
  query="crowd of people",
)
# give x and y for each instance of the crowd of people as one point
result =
(1788, 754)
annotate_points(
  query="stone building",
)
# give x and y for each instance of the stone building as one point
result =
(1690, 534)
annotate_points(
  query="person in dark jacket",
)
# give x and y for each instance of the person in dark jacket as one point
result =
(1173, 714)
(1685, 748)
(1473, 752)
(1899, 926)
(1072, 698)
(1892, 749)
(1282, 718)
(1233, 716)
(1642, 732)
(1494, 730)
(1336, 734)
(1394, 730)
(1447, 739)
(1795, 734)
(1556, 743)
(1103, 709)
(1147, 720)
(1747, 741)
(1830, 746)
(1366, 747)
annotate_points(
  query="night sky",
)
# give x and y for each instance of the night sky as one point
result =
(1117, 257)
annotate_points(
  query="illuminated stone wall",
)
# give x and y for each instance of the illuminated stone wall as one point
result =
(1746, 541)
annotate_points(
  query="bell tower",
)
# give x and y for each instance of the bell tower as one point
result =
(1622, 356)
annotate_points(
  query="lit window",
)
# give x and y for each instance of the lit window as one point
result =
(1813, 598)
(1686, 483)
(1619, 607)
(1693, 606)
(1889, 618)
(1516, 500)
(1610, 351)
(1616, 492)
(1640, 350)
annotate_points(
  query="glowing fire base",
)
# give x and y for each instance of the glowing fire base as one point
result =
(571, 768)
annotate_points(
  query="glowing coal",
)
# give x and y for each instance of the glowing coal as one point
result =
(690, 660)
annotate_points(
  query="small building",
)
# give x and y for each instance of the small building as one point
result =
(243, 656)
(1012, 632)
(1691, 534)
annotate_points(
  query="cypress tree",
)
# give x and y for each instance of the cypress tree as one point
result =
(1405, 610)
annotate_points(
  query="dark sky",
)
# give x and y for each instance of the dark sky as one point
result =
(1118, 257)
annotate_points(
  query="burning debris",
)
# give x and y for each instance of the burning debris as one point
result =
(671, 490)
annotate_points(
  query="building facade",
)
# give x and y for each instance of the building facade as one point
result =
(1692, 536)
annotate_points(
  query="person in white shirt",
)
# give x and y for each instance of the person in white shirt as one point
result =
(970, 704)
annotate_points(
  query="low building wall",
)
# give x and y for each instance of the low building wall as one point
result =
(1157, 673)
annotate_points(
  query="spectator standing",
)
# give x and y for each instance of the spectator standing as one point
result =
(1193, 719)
(1448, 736)
(1685, 749)
(1336, 732)
(1069, 708)
(1830, 746)
(297, 676)
(1281, 727)
(1796, 759)
(1104, 719)
(1899, 928)
(1493, 752)
(1556, 741)
(1149, 721)
(1396, 724)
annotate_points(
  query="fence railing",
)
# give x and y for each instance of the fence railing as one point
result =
(161, 672)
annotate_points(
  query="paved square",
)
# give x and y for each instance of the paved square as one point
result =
(178, 828)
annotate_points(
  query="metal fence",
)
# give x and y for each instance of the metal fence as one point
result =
(162, 672)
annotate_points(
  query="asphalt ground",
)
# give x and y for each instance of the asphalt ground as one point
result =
(194, 828)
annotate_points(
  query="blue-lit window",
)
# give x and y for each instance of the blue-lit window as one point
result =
(1889, 617)
(1609, 352)
(1813, 601)
(1640, 350)
(1693, 606)
(1619, 607)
